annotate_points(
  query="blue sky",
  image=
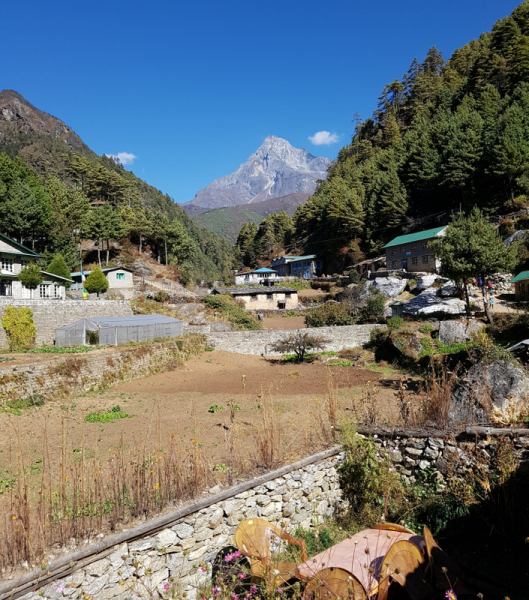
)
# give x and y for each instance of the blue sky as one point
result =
(191, 89)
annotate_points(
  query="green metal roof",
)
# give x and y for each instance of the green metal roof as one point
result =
(23, 250)
(415, 237)
(520, 277)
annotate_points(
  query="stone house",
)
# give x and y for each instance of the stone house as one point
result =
(521, 285)
(263, 298)
(304, 267)
(13, 258)
(119, 280)
(369, 266)
(411, 253)
(256, 276)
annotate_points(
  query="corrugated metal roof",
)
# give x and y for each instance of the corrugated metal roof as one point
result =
(520, 277)
(418, 236)
(107, 270)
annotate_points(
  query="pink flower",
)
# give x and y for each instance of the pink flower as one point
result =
(253, 589)
(279, 591)
(166, 586)
(228, 557)
(60, 588)
(237, 554)
(450, 595)
(241, 576)
(234, 596)
(203, 569)
(216, 591)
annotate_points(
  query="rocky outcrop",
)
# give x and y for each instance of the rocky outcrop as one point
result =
(275, 169)
(496, 391)
(426, 281)
(458, 331)
(389, 286)
(430, 302)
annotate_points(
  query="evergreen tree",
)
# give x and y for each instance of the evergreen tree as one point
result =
(31, 277)
(96, 282)
(471, 247)
(59, 267)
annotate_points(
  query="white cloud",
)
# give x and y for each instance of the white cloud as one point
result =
(323, 138)
(125, 158)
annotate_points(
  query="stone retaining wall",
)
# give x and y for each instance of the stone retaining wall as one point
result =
(174, 551)
(59, 376)
(50, 314)
(259, 342)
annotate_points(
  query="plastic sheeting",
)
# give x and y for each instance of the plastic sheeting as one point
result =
(118, 330)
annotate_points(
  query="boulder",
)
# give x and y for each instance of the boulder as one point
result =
(389, 286)
(448, 289)
(495, 391)
(140, 267)
(458, 331)
(426, 281)
(452, 331)
(408, 344)
(430, 302)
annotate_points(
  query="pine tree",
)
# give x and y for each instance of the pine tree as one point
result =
(96, 282)
(59, 267)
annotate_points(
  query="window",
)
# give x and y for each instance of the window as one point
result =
(414, 260)
(253, 298)
(403, 250)
(43, 290)
(7, 264)
(393, 251)
(269, 296)
(425, 245)
(24, 263)
(288, 295)
(120, 276)
(393, 264)
(413, 247)
(425, 259)
(56, 291)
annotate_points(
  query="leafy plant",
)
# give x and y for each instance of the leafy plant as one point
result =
(215, 408)
(20, 328)
(96, 282)
(329, 314)
(236, 315)
(107, 417)
(426, 328)
(394, 322)
(31, 277)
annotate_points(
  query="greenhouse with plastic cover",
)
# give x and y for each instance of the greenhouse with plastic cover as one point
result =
(117, 331)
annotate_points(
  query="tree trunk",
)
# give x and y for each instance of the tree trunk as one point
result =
(140, 242)
(466, 297)
(488, 311)
(108, 250)
(165, 242)
(99, 252)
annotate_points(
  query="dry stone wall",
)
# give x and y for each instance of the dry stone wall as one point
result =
(173, 556)
(260, 342)
(63, 375)
(50, 314)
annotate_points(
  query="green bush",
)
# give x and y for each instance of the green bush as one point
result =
(427, 346)
(329, 314)
(426, 328)
(394, 322)
(236, 315)
(96, 282)
(354, 276)
(59, 267)
(20, 328)
(373, 311)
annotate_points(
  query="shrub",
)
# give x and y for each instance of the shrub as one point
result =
(107, 417)
(394, 322)
(230, 310)
(329, 314)
(412, 283)
(20, 328)
(373, 311)
(354, 276)
(299, 343)
(426, 328)
(96, 282)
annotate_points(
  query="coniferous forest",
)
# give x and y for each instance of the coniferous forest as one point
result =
(51, 198)
(448, 135)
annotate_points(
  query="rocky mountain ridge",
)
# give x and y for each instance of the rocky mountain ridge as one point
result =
(19, 118)
(275, 169)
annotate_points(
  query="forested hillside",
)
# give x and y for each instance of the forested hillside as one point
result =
(54, 194)
(447, 135)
